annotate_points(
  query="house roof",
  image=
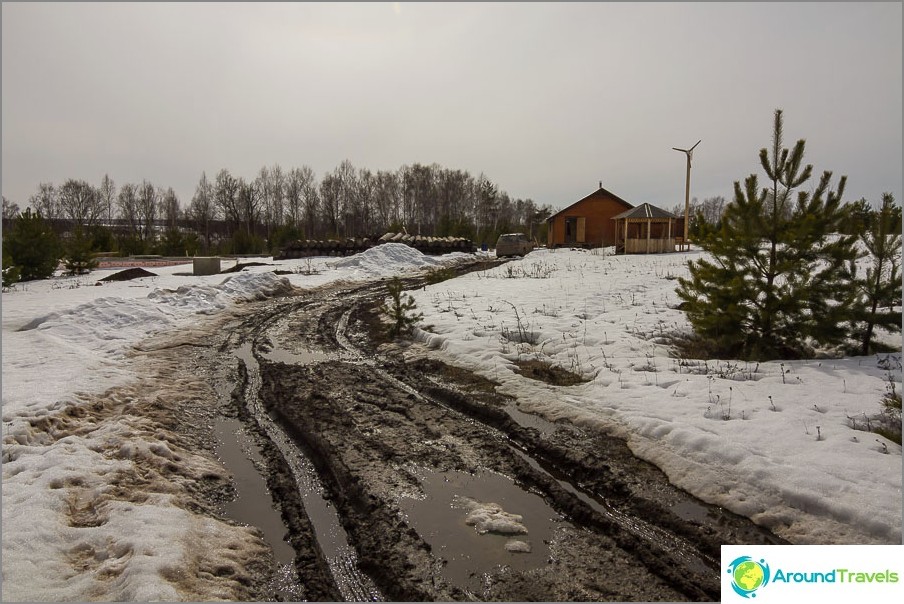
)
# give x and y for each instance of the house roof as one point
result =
(645, 210)
(591, 196)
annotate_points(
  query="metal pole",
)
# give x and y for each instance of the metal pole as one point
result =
(687, 188)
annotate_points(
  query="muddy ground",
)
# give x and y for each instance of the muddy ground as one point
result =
(405, 448)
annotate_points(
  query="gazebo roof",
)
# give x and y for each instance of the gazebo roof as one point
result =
(645, 210)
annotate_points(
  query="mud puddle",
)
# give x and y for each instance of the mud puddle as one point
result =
(331, 536)
(253, 504)
(529, 420)
(476, 522)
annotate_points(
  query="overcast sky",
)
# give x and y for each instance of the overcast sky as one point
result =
(545, 99)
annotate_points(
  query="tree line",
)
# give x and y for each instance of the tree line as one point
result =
(231, 214)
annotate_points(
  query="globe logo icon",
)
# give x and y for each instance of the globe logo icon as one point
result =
(748, 575)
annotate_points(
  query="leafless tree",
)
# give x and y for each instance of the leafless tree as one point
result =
(712, 209)
(147, 209)
(387, 199)
(169, 208)
(310, 200)
(250, 200)
(107, 193)
(294, 193)
(127, 204)
(346, 208)
(276, 195)
(46, 201)
(330, 198)
(202, 209)
(80, 203)
(364, 203)
(226, 197)
(10, 209)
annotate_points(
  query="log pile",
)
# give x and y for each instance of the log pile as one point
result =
(426, 245)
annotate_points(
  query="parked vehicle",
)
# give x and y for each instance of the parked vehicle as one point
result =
(513, 244)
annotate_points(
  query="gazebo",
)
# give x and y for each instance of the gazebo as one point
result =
(645, 229)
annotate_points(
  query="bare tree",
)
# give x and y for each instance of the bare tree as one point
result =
(387, 199)
(107, 192)
(250, 200)
(80, 203)
(347, 210)
(147, 209)
(310, 200)
(330, 197)
(169, 208)
(202, 208)
(127, 204)
(364, 202)
(10, 209)
(294, 196)
(276, 193)
(46, 201)
(712, 209)
(226, 191)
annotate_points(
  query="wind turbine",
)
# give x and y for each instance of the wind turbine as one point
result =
(687, 188)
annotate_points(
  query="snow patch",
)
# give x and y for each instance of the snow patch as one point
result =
(490, 517)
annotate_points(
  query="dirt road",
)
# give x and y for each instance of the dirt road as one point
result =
(399, 477)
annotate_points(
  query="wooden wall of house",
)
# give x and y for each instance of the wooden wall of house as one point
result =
(598, 209)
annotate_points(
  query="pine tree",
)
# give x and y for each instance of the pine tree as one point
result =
(778, 277)
(11, 272)
(399, 310)
(78, 258)
(32, 246)
(880, 291)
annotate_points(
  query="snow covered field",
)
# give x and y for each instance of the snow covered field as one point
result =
(786, 455)
(773, 441)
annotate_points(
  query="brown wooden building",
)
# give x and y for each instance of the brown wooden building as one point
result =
(646, 229)
(587, 222)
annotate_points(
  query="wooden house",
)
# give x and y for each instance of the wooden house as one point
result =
(587, 222)
(646, 229)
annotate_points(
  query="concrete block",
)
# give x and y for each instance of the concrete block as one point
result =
(206, 265)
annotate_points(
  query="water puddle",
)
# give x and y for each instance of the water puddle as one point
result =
(253, 504)
(341, 558)
(691, 511)
(475, 522)
(529, 420)
(304, 357)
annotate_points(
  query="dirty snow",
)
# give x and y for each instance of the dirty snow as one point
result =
(67, 533)
(490, 517)
(786, 455)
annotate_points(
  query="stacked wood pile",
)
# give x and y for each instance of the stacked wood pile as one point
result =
(347, 247)
(431, 245)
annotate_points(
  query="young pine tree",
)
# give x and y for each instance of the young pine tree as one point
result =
(78, 258)
(400, 309)
(32, 246)
(777, 278)
(880, 290)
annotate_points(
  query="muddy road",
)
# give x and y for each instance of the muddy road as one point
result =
(377, 473)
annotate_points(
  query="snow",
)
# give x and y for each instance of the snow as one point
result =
(771, 441)
(490, 517)
(69, 532)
